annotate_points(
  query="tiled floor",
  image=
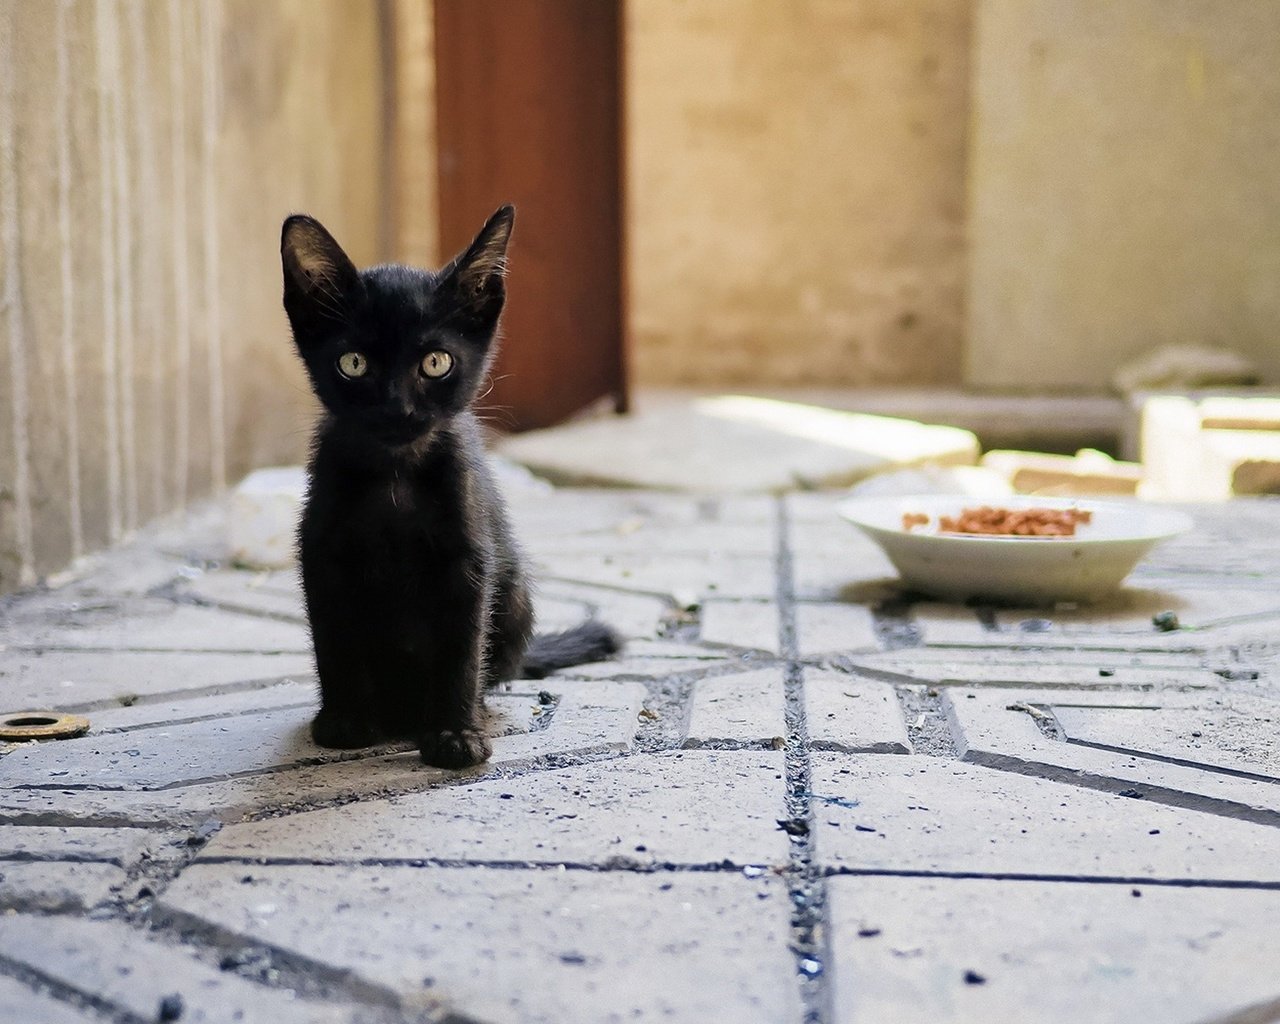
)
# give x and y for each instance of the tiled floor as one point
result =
(799, 795)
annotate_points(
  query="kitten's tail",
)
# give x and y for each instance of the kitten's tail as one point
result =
(547, 652)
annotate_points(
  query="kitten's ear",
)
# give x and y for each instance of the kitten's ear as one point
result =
(319, 278)
(476, 279)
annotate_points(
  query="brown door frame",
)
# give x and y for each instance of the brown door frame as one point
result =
(530, 109)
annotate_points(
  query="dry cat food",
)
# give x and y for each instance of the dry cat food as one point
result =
(1006, 522)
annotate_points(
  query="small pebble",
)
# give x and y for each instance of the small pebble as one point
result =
(1166, 622)
(171, 1007)
(974, 978)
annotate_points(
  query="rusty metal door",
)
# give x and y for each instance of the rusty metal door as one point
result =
(529, 112)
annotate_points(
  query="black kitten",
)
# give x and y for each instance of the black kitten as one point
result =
(415, 590)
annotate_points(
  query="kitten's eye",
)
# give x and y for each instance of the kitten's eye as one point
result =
(353, 364)
(437, 364)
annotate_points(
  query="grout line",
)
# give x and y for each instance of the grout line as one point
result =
(731, 867)
(628, 865)
(808, 892)
(1030, 876)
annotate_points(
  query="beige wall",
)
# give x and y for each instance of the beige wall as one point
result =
(796, 190)
(148, 152)
(1125, 185)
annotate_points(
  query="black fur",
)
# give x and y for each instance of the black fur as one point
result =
(416, 592)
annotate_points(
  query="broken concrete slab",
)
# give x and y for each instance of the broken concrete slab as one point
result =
(953, 951)
(899, 813)
(574, 946)
(693, 807)
(735, 444)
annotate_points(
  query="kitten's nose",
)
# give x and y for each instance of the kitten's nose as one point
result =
(400, 406)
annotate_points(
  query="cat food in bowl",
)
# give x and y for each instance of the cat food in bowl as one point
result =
(1069, 549)
(1006, 522)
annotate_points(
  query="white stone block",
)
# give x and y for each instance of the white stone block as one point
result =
(264, 517)
(1209, 449)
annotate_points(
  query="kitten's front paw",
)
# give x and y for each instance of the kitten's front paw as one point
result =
(330, 730)
(454, 748)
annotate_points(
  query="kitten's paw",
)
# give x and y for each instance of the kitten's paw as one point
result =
(454, 748)
(330, 730)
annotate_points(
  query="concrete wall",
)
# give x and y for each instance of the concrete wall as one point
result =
(148, 152)
(796, 190)
(1124, 183)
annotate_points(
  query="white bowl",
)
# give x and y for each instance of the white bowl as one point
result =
(1023, 570)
